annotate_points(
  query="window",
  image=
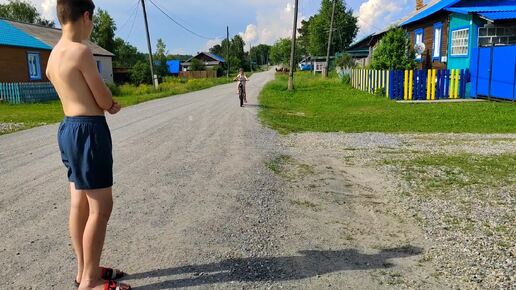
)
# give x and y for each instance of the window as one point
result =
(418, 38)
(438, 28)
(99, 66)
(34, 64)
(460, 42)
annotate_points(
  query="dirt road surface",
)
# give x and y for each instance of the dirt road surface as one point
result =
(202, 202)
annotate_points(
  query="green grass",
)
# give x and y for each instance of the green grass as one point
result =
(439, 173)
(327, 105)
(32, 115)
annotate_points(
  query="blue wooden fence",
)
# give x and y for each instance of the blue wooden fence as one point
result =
(409, 85)
(18, 93)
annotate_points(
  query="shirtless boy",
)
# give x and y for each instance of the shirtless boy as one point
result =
(85, 142)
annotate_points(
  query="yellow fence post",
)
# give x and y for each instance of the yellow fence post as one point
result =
(452, 82)
(433, 83)
(428, 84)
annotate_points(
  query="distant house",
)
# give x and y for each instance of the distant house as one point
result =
(360, 51)
(210, 60)
(25, 49)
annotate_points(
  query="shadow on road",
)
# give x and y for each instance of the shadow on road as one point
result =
(307, 264)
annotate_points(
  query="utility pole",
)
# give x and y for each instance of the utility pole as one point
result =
(293, 49)
(227, 49)
(154, 79)
(250, 57)
(329, 41)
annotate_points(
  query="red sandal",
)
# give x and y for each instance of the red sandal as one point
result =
(108, 274)
(113, 285)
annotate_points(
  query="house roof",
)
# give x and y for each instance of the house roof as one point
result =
(209, 54)
(51, 36)
(430, 9)
(498, 15)
(13, 36)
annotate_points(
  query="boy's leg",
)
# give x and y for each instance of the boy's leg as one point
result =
(79, 212)
(100, 205)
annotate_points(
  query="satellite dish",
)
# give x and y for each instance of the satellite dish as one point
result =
(419, 47)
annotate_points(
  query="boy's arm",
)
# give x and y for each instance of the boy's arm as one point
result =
(98, 88)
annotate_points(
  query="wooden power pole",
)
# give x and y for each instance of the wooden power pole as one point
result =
(227, 49)
(293, 49)
(151, 61)
(329, 40)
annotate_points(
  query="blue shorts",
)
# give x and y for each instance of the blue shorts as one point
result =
(86, 151)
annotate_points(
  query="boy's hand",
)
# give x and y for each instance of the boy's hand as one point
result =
(115, 108)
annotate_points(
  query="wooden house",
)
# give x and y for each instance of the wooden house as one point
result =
(25, 49)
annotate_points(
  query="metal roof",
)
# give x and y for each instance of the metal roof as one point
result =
(212, 55)
(13, 36)
(51, 36)
(498, 15)
(430, 9)
(476, 9)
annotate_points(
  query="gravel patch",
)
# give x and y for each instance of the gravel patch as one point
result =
(472, 229)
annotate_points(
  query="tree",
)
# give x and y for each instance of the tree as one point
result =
(160, 58)
(314, 32)
(280, 52)
(104, 28)
(197, 65)
(140, 73)
(260, 53)
(394, 51)
(23, 11)
(126, 55)
(218, 50)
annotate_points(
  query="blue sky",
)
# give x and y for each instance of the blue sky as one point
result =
(258, 21)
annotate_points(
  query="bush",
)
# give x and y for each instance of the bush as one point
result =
(394, 51)
(115, 90)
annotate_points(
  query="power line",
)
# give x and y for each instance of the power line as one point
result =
(134, 20)
(181, 25)
(134, 10)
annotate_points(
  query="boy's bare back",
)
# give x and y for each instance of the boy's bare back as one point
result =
(73, 71)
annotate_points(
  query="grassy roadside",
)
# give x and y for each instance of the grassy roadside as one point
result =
(320, 105)
(25, 116)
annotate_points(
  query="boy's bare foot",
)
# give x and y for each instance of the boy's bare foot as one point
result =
(103, 285)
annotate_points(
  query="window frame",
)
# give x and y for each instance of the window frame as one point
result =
(37, 55)
(438, 25)
(416, 33)
(467, 42)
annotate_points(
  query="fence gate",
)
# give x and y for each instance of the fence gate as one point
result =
(493, 72)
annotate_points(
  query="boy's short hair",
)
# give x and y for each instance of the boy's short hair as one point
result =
(71, 10)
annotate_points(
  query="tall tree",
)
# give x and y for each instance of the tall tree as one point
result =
(260, 53)
(104, 28)
(23, 11)
(314, 32)
(394, 51)
(126, 55)
(218, 50)
(280, 52)
(160, 58)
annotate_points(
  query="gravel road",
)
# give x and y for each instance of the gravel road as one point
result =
(198, 206)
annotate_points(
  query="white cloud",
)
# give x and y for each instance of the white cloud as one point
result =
(273, 21)
(48, 9)
(373, 15)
